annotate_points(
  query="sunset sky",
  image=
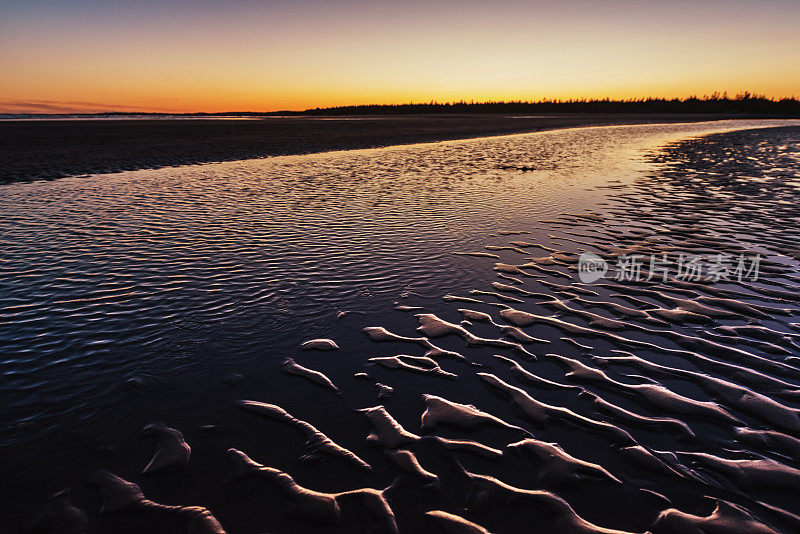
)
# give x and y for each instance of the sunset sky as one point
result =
(202, 55)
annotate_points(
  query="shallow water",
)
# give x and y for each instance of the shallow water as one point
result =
(167, 295)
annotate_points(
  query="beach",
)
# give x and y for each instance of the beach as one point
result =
(399, 268)
(47, 149)
(400, 339)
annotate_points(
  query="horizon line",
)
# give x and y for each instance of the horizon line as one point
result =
(716, 97)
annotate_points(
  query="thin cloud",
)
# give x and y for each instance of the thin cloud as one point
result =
(58, 106)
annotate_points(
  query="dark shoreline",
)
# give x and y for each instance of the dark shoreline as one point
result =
(49, 149)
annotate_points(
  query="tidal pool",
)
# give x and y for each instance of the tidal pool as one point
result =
(172, 295)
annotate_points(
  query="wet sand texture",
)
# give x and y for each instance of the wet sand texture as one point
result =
(527, 402)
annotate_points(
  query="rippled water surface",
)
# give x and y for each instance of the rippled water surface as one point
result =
(169, 295)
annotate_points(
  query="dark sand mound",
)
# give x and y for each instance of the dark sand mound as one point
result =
(46, 149)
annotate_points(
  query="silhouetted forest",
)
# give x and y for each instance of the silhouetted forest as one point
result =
(743, 103)
(715, 104)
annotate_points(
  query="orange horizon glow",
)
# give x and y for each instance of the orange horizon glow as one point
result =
(203, 56)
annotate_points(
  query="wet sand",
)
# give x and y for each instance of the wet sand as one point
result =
(47, 149)
(398, 340)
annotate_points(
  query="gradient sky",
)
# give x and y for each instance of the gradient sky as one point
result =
(203, 55)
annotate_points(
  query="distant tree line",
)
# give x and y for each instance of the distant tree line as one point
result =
(716, 103)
